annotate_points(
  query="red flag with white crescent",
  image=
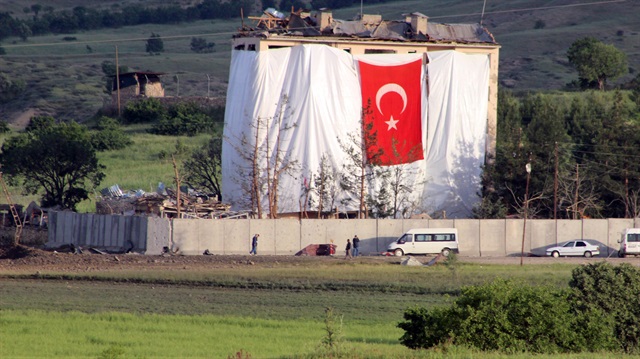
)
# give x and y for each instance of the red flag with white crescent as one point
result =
(392, 120)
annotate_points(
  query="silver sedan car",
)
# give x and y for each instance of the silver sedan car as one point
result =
(574, 248)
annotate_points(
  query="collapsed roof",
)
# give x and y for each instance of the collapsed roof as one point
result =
(415, 27)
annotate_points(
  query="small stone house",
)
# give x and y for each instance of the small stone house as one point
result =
(137, 84)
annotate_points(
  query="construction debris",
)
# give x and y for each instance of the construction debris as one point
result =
(163, 203)
(318, 250)
(411, 261)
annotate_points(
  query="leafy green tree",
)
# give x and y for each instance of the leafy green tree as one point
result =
(57, 161)
(24, 31)
(155, 45)
(602, 127)
(596, 61)
(545, 129)
(203, 168)
(504, 177)
(109, 135)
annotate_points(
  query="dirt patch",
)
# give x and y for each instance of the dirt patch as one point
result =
(68, 259)
(20, 120)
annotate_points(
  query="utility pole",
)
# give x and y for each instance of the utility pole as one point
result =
(14, 212)
(526, 208)
(575, 212)
(118, 81)
(178, 81)
(178, 183)
(555, 185)
(208, 85)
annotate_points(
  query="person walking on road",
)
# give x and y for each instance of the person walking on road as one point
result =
(254, 245)
(356, 245)
(348, 249)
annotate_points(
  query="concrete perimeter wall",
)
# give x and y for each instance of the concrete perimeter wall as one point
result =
(486, 238)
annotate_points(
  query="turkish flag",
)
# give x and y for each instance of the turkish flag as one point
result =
(391, 108)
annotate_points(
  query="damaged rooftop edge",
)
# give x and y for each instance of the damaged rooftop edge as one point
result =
(321, 24)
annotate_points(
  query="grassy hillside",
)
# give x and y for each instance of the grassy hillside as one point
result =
(64, 77)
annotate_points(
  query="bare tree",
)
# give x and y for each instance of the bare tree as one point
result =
(263, 162)
(248, 174)
(326, 185)
(578, 194)
(358, 169)
(282, 164)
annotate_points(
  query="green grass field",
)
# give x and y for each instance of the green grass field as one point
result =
(142, 165)
(262, 311)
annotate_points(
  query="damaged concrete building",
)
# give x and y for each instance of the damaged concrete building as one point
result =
(373, 35)
(136, 84)
(315, 62)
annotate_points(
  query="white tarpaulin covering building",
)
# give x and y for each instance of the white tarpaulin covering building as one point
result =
(299, 105)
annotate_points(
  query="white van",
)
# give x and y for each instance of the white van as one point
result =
(629, 243)
(425, 241)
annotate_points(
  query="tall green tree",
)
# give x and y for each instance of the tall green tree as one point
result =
(203, 168)
(504, 174)
(545, 130)
(596, 61)
(56, 161)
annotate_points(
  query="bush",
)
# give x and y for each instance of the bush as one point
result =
(4, 126)
(611, 295)
(183, 119)
(10, 88)
(200, 45)
(600, 312)
(147, 110)
(109, 135)
(500, 316)
(155, 44)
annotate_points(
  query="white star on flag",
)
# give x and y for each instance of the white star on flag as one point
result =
(391, 123)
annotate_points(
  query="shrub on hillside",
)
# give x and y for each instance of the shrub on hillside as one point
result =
(147, 110)
(200, 45)
(4, 126)
(37, 123)
(184, 119)
(109, 135)
(10, 88)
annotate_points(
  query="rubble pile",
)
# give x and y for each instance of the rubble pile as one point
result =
(162, 203)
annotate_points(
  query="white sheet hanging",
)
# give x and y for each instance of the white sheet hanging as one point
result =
(322, 91)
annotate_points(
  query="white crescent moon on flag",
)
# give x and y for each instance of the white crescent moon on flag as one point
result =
(391, 87)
